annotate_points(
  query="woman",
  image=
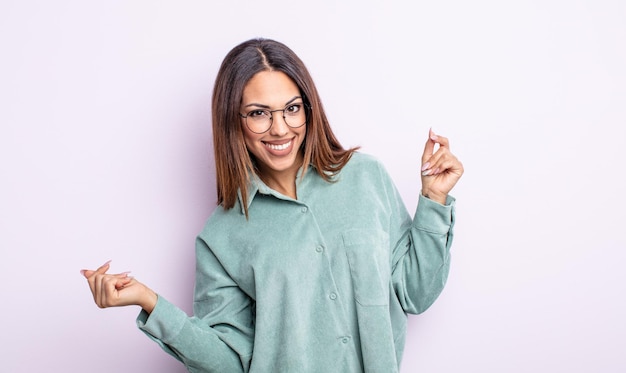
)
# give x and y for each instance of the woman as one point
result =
(311, 261)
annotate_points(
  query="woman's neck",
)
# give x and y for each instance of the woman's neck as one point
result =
(283, 181)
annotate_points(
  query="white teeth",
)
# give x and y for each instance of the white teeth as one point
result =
(278, 147)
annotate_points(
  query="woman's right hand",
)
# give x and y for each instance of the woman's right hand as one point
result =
(116, 290)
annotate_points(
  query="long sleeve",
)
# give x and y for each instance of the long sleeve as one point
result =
(219, 337)
(420, 251)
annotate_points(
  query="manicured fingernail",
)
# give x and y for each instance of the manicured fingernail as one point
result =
(436, 171)
(425, 166)
(107, 262)
(426, 173)
(434, 137)
(82, 271)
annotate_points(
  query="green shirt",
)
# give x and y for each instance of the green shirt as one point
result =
(318, 284)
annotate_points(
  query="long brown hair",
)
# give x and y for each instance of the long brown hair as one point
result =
(233, 163)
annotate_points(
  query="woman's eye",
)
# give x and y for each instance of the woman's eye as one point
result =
(292, 109)
(257, 114)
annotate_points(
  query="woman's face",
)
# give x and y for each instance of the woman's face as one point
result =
(277, 151)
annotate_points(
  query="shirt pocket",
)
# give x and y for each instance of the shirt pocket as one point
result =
(368, 258)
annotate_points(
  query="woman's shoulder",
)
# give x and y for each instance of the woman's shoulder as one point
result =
(360, 159)
(364, 163)
(223, 220)
(367, 168)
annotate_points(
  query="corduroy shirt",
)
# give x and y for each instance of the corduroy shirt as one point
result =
(318, 284)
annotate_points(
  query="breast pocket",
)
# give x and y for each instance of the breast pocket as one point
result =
(368, 257)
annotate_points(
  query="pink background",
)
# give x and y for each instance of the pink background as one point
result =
(105, 153)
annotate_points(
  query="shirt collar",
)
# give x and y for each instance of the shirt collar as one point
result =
(256, 185)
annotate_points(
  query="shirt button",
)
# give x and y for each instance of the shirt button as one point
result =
(303, 209)
(345, 340)
(319, 249)
(333, 296)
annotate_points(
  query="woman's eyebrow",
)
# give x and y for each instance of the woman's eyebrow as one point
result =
(267, 106)
(292, 100)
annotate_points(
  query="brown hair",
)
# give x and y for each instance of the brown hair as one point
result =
(233, 163)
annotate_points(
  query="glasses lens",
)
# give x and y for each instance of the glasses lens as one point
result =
(295, 115)
(259, 121)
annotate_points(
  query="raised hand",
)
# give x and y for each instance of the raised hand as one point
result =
(116, 290)
(440, 169)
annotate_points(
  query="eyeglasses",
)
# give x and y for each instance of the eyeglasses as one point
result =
(260, 120)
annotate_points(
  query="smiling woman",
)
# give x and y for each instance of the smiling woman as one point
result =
(311, 261)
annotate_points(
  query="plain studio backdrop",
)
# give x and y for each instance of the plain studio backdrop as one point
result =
(106, 153)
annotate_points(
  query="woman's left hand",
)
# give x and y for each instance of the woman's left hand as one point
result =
(116, 290)
(440, 169)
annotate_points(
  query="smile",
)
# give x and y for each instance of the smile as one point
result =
(278, 146)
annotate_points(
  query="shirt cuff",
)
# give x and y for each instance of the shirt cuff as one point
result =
(164, 323)
(434, 217)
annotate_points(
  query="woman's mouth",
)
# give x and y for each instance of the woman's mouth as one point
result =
(278, 146)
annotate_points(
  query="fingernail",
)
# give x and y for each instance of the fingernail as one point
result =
(434, 137)
(425, 173)
(425, 166)
(107, 262)
(82, 271)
